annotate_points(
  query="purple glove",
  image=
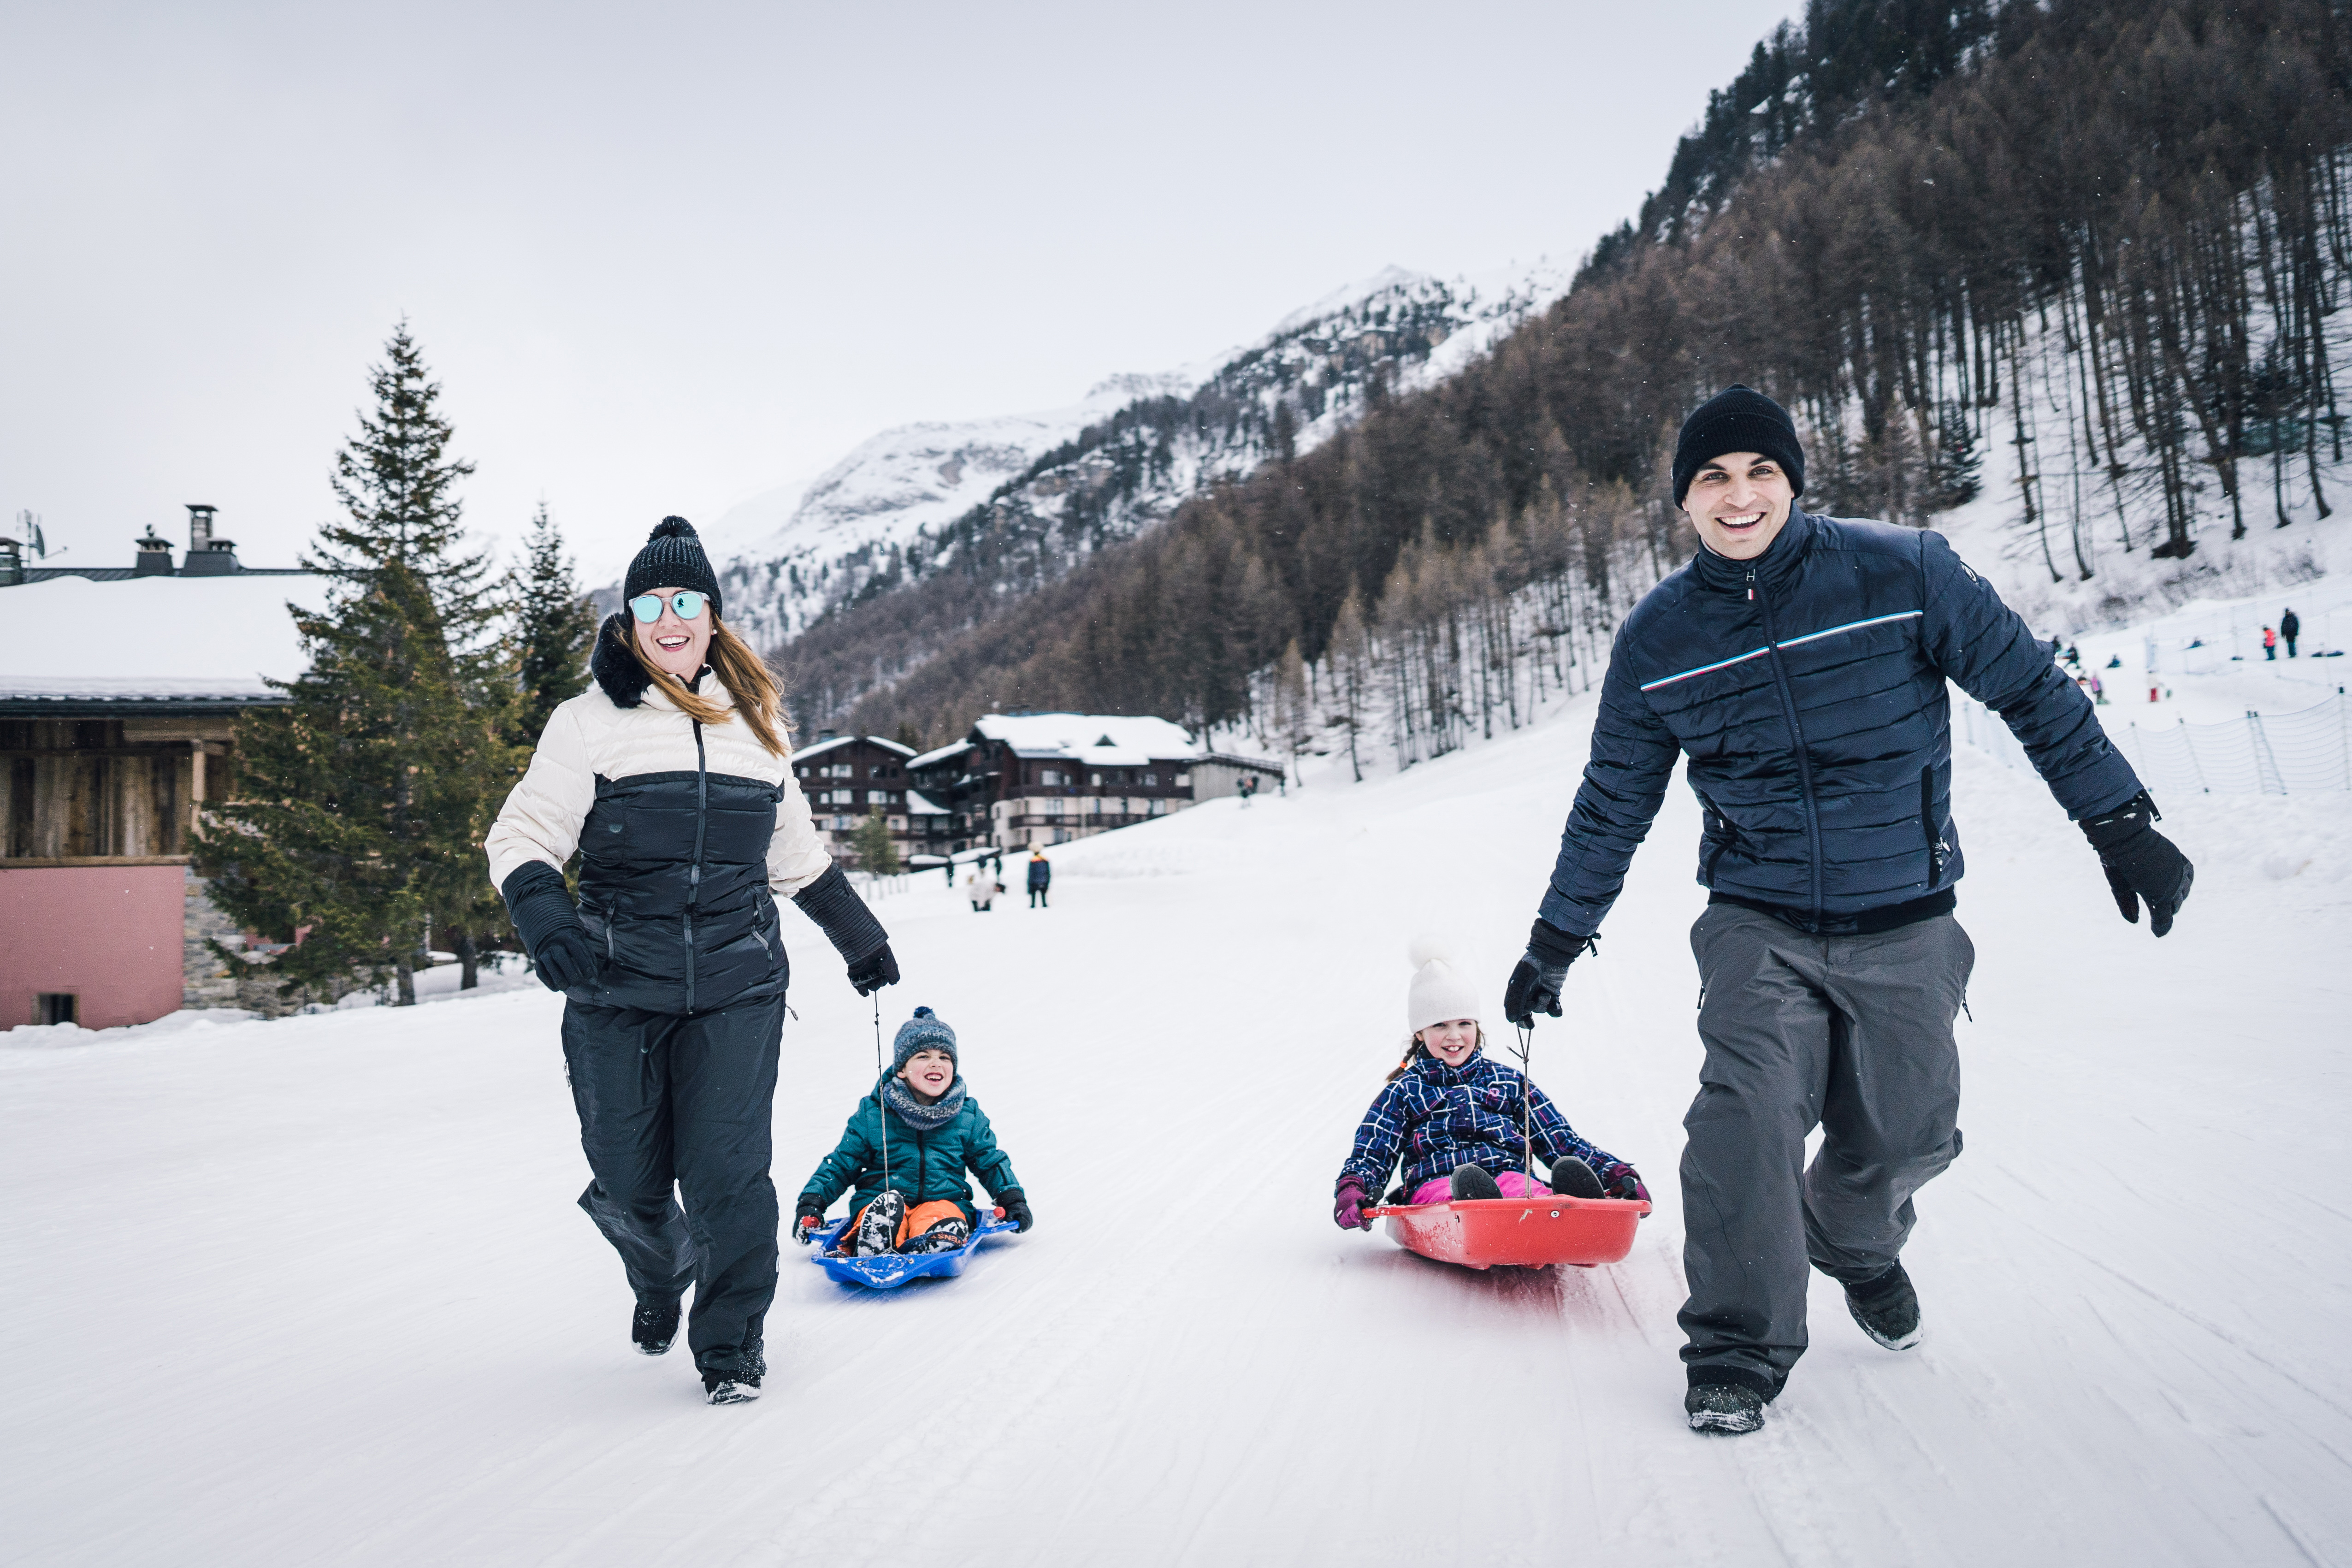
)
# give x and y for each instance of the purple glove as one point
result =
(1352, 1203)
(1622, 1180)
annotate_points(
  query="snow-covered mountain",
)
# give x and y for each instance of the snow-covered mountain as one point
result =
(1058, 483)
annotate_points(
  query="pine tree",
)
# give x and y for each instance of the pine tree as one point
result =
(554, 627)
(364, 800)
(878, 853)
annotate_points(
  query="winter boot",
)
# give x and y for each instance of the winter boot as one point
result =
(655, 1325)
(947, 1236)
(725, 1388)
(1723, 1407)
(1886, 1307)
(1473, 1181)
(877, 1230)
(1572, 1178)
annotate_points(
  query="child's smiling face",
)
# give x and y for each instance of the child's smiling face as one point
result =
(929, 1074)
(1451, 1041)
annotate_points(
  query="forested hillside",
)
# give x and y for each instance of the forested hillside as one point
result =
(2083, 260)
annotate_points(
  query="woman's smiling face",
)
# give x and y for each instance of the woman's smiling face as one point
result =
(680, 648)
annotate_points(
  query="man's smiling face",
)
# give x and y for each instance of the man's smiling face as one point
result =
(1739, 503)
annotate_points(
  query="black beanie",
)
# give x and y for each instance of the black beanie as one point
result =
(1737, 419)
(672, 558)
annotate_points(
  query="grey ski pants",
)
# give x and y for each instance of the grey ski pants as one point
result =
(667, 1101)
(1851, 1032)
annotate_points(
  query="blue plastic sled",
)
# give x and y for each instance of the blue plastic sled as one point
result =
(890, 1272)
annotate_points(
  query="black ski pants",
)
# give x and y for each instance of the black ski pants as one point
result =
(667, 1101)
(1853, 1034)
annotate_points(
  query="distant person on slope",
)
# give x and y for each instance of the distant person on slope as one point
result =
(1799, 662)
(1040, 877)
(1454, 1116)
(2290, 627)
(2270, 645)
(669, 778)
(905, 1150)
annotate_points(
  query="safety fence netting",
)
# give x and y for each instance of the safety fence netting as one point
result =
(2301, 753)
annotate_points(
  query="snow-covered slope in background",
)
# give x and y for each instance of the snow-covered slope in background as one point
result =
(315, 1292)
(908, 500)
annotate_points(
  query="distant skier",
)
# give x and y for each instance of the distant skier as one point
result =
(1040, 877)
(1800, 663)
(669, 778)
(1453, 1115)
(2270, 645)
(982, 888)
(2290, 627)
(905, 1152)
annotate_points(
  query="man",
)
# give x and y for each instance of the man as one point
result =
(1040, 877)
(2290, 627)
(1799, 662)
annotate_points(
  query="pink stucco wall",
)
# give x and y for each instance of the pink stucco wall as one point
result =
(114, 935)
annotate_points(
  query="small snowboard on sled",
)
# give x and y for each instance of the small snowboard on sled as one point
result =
(1525, 1233)
(893, 1269)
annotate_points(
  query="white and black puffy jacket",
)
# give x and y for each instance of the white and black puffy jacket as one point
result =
(687, 834)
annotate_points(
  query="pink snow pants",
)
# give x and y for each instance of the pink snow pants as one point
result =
(1515, 1184)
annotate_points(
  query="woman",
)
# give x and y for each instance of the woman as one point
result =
(669, 778)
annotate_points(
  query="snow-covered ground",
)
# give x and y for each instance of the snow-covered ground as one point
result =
(313, 1291)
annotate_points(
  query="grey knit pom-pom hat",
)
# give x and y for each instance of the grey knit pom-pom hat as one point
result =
(672, 558)
(926, 1031)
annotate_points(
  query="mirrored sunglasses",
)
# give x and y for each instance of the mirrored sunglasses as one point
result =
(686, 602)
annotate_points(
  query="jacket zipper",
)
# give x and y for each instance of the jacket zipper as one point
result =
(1797, 734)
(1927, 825)
(694, 873)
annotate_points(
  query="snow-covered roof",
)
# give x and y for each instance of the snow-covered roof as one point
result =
(917, 805)
(152, 638)
(1092, 739)
(804, 752)
(942, 755)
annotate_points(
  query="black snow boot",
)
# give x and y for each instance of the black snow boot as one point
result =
(726, 1388)
(1572, 1178)
(1886, 1307)
(655, 1325)
(945, 1237)
(1473, 1181)
(877, 1230)
(1723, 1407)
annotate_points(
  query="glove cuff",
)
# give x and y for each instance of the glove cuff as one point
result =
(1553, 947)
(537, 904)
(2122, 823)
(843, 916)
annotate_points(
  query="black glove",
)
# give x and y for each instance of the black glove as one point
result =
(550, 927)
(1015, 1208)
(808, 1217)
(1535, 983)
(873, 970)
(852, 929)
(2140, 862)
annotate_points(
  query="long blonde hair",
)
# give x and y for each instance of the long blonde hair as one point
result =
(747, 678)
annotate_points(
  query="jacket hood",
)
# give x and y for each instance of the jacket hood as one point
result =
(1430, 1070)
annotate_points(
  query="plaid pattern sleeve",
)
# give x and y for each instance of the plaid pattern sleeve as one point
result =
(1378, 1138)
(1550, 1133)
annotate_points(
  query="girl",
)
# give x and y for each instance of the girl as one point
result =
(669, 778)
(1453, 1115)
(915, 1198)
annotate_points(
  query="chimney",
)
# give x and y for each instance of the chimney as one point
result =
(208, 556)
(154, 558)
(824, 734)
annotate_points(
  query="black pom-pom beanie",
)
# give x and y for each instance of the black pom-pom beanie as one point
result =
(672, 558)
(1737, 419)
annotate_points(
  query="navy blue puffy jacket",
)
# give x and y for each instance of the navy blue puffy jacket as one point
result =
(1807, 688)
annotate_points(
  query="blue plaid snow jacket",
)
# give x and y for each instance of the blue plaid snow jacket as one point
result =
(1807, 688)
(1438, 1117)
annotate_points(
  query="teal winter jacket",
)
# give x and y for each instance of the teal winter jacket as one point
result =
(928, 1167)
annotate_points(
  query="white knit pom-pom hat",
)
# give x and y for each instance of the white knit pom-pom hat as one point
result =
(1439, 990)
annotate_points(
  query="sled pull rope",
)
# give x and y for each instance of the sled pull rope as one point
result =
(1527, 1034)
(882, 1111)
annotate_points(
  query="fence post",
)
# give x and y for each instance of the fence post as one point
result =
(2267, 777)
(2188, 743)
(2344, 734)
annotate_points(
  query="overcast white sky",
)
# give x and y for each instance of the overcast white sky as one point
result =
(664, 258)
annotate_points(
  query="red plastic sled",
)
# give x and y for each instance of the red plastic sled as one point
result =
(1524, 1233)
